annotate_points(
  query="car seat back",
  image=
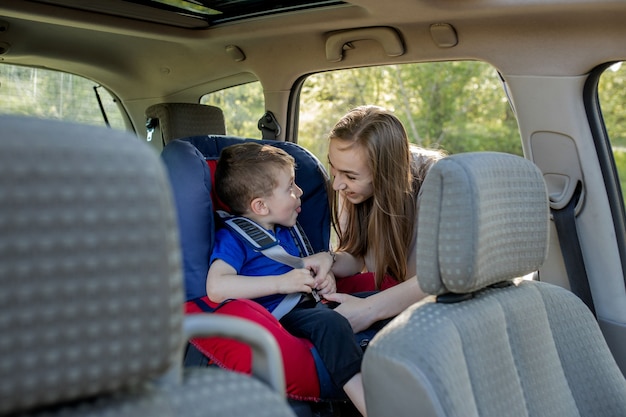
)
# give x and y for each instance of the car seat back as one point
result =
(91, 285)
(487, 343)
(179, 120)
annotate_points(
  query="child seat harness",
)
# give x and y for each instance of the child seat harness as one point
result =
(263, 241)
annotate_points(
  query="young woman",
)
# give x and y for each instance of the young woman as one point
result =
(377, 175)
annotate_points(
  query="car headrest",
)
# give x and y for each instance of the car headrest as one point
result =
(483, 219)
(179, 120)
(90, 274)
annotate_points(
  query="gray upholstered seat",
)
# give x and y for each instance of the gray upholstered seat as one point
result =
(180, 120)
(91, 318)
(513, 347)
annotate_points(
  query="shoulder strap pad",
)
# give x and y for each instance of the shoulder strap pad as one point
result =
(250, 231)
(260, 239)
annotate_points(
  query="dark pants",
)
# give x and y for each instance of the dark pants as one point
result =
(332, 336)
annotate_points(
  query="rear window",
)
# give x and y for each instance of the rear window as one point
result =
(243, 106)
(56, 95)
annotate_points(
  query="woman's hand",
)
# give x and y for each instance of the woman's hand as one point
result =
(363, 312)
(319, 264)
(359, 311)
(326, 285)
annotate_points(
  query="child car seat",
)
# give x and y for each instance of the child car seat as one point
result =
(190, 162)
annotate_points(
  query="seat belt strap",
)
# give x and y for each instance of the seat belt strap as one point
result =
(263, 241)
(286, 305)
(565, 223)
(303, 242)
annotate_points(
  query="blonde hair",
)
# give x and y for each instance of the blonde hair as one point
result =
(246, 171)
(383, 224)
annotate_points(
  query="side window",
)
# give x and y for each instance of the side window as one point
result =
(242, 105)
(611, 90)
(56, 95)
(456, 106)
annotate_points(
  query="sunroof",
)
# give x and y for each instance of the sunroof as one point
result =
(220, 11)
(192, 14)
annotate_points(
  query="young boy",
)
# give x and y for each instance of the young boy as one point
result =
(257, 181)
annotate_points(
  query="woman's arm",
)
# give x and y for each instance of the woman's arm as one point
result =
(363, 312)
(223, 283)
(346, 265)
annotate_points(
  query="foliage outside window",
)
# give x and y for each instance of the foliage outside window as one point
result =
(55, 95)
(458, 106)
(243, 106)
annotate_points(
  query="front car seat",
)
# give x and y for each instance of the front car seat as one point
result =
(179, 120)
(91, 286)
(487, 343)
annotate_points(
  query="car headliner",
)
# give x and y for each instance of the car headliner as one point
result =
(519, 37)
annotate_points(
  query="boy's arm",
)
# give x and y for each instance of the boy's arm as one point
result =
(223, 283)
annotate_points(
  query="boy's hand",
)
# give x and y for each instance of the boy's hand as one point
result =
(296, 280)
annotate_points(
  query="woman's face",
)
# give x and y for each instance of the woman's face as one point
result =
(351, 173)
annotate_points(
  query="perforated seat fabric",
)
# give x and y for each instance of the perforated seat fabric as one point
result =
(521, 348)
(179, 120)
(216, 392)
(91, 287)
(483, 218)
(500, 354)
(86, 234)
(206, 392)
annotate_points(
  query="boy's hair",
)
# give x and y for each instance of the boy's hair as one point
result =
(246, 171)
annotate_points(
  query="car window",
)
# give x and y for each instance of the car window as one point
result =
(243, 106)
(458, 106)
(56, 95)
(611, 92)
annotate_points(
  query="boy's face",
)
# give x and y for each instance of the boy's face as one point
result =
(284, 203)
